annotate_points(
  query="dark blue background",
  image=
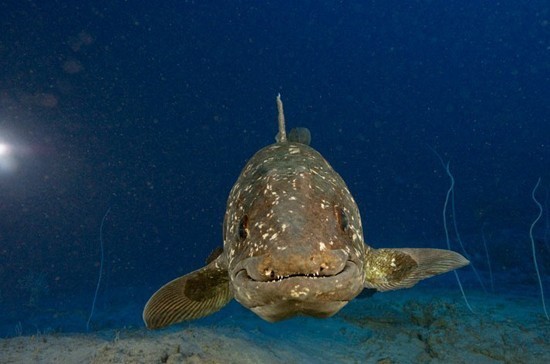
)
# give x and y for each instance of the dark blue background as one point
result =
(153, 109)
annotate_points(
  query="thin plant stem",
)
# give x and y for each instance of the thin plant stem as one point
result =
(449, 192)
(100, 267)
(533, 248)
(488, 258)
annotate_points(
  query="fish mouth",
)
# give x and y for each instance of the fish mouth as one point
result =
(283, 296)
(242, 274)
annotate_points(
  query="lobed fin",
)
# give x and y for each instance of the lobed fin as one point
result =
(300, 135)
(194, 295)
(390, 269)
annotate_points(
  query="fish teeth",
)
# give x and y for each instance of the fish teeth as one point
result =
(279, 277)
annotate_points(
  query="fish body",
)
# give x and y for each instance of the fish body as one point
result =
(293, 245)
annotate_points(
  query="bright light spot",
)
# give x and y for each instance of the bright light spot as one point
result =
(8, 162)
(12, 152)
(4, 149)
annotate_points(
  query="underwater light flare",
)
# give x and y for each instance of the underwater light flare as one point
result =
(4, 149)
(8, 163)
(9, 153)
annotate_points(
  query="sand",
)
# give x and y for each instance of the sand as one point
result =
(410, 326)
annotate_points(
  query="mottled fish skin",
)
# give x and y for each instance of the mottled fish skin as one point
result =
(293, 245)
(290, 215)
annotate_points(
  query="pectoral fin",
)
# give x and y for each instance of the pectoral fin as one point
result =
(197, 294)
(389, 269)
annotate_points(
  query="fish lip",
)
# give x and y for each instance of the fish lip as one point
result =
(298, 295)
(272, 268)
(241, 281)
(242, 275)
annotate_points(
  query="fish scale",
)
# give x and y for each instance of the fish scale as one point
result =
(292, 245)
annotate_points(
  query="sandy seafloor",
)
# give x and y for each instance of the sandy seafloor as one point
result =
(419, 325)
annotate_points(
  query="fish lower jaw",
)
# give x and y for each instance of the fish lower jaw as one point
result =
(298, 294)
(289, 309)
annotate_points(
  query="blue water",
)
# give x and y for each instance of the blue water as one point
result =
(151, 110)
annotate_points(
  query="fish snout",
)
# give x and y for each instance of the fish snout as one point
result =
(296, 262)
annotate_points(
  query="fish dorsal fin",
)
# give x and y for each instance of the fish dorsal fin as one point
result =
(300, 135)
(281, 136)
(296, 135)
(194, 295)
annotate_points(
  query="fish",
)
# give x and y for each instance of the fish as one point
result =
(293, 245)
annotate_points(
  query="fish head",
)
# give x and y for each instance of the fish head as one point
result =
(293, 235)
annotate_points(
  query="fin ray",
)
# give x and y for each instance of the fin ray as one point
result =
(194, 295)
(390, 269)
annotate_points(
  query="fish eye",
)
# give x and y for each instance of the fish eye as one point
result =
(342, 218)
(243, 227)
